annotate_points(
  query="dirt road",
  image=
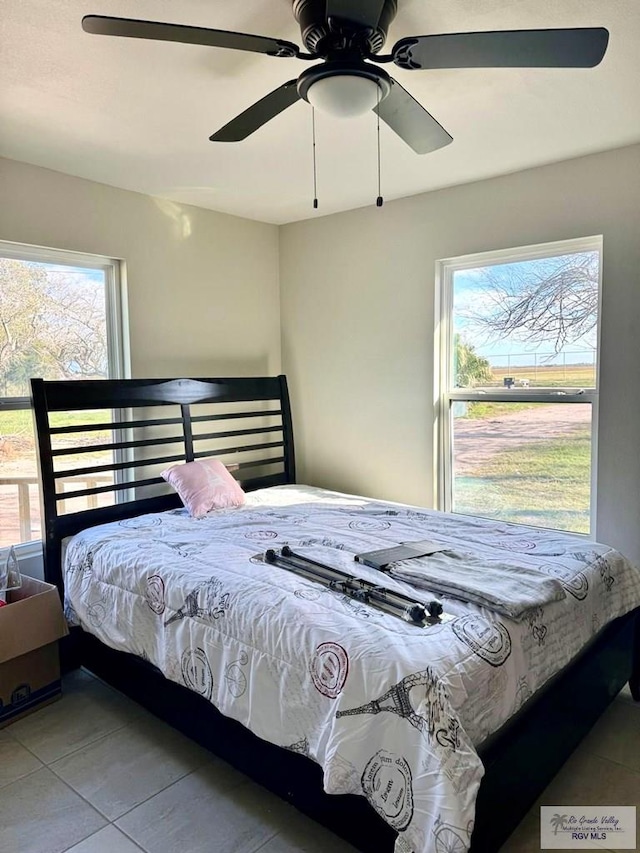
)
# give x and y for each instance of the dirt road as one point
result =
(478, 440)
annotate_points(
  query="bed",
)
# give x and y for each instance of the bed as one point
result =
(450, 731)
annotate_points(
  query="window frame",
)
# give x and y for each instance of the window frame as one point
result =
(118, 353)
(445, 394)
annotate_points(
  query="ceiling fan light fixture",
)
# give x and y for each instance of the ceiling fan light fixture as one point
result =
(344, 90)
(344, 95)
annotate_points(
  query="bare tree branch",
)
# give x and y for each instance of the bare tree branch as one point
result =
(554, 301)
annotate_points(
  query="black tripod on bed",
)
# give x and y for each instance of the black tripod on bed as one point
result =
(389, 600)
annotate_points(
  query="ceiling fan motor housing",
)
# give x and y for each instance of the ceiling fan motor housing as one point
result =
(321, 37)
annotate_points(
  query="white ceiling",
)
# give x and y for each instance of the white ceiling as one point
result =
(137, 114)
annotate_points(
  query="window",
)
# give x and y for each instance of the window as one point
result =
(517, 383)
(60, 318)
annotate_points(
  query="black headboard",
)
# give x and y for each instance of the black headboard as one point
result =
(146, 425)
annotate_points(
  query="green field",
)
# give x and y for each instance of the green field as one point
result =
(553, 376)
(546, 484)
(17, 434)
(20, 422)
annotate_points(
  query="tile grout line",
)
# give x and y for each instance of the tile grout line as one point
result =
(126, 834)
(78, 794)
(31, 752)
(139, 712)
(75, 749)
(100, 812)
(142, 802)
(45, 766)
(208, 757)
(268, 841)
(102, 828)
(24, 776)
(588, 751)
(48, 766)
(166, 787)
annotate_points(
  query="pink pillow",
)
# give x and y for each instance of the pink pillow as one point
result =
(204, 485)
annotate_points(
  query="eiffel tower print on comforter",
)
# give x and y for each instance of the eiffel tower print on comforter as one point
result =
(390, 710)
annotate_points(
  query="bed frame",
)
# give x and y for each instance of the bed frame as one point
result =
(156, 422)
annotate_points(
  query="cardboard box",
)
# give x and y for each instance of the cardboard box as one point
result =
(31, 624)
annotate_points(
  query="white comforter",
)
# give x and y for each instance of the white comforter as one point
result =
(391, 711)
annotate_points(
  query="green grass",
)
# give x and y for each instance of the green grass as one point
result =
(20, 422)
(546, 484)
(476, 410)
(17, 436)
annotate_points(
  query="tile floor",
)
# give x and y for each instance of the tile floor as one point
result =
(94, 773)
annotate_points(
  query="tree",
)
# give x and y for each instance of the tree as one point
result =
(20, 304)
(550, 300)
(52, 324)
(469, 367)
(74, 332)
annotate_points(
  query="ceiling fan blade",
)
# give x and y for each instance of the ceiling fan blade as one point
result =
(409, 119)
(130, 28)
(258, 114)
(364, 12)
(566, 48)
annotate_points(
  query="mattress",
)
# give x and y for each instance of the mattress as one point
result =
(390, 710)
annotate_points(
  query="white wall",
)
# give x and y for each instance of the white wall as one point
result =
(203, 286)
(203, 296)
(357, 301)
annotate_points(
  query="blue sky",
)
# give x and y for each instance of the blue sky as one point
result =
(95, 276)
(471, 293)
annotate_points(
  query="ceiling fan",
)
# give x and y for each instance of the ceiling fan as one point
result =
(347, 36)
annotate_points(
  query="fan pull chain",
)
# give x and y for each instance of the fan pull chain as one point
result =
(315, 170)
(379, 200)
